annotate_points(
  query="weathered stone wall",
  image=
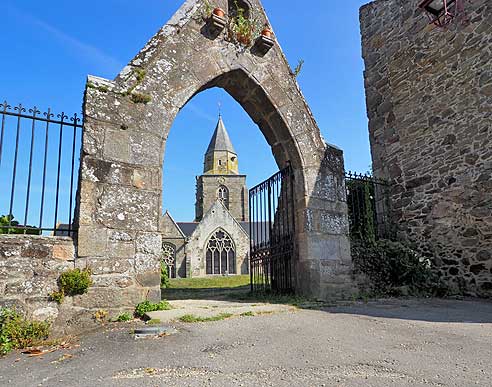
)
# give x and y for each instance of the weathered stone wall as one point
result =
(206, 193)
(429, 103)
(29, 270)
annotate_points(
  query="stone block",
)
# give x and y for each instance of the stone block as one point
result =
(117, 145)
(149, 279)
(125, 208)
(149, 243)
(92, 241)
(106, 298)
(145, 263)
(47, 313)
(107, 265)
(121, 250)
(64, 252)
(113, 281)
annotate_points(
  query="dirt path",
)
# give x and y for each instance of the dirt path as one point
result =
(213, 308)
(398, 343)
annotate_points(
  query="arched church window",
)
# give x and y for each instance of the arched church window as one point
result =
(169, 258)
(221, 254)
(223, 195)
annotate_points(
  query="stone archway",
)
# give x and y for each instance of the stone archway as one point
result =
(127, 122)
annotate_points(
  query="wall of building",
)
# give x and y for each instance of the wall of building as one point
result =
(207, 186)
(197, 244)
(429, 103)
(172, 234)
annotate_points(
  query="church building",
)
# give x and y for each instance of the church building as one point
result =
(217, 242)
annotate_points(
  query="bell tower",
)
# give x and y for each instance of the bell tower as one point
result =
(221, 180)
(220, 158)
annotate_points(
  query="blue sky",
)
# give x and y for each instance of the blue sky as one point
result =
(48, 49)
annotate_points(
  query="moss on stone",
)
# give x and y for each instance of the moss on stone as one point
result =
(140, 98)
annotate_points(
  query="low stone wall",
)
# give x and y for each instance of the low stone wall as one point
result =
(29, 269)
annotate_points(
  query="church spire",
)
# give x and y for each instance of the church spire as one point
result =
(220, 140)
(221, 158)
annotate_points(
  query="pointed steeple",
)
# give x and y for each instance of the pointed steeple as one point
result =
(221, 157)
(220, 140)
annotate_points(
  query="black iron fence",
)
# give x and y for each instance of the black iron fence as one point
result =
(272, 228)
(368, 207)
(39, 162)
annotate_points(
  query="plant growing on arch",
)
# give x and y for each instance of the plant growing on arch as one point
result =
(241, 28)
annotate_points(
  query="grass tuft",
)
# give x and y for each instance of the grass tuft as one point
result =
(124, 317)
(140, 98)
(190, 318)
(232, 281)
(147, 306)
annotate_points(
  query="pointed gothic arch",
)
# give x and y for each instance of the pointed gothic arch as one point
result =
(220, 253)
(126, 125)
(169, 258)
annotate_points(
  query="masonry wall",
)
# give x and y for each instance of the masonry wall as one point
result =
(29, 270)
(429, 103)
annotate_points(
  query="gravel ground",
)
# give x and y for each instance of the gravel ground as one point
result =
(387, 343)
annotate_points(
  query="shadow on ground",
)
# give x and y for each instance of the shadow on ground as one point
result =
(229, 294)
(427, 310)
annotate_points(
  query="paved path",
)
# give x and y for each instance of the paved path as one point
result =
(211, 308)
(398, 343)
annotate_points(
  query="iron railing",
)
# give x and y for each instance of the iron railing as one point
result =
(272, 232)
(39, 156)
(368, 206)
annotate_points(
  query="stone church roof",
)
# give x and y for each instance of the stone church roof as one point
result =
(220, 140)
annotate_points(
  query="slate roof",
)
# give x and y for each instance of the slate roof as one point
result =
(220, 140)
(189, 228)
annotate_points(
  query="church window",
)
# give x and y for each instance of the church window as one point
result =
(169, 258)
(223, 196)
(221, 254)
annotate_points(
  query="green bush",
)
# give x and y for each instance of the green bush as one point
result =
(16, 332)
(147, 306)
(7, 222)
(164, 275)
(75, 282)
(391, 267)
(72, 283)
